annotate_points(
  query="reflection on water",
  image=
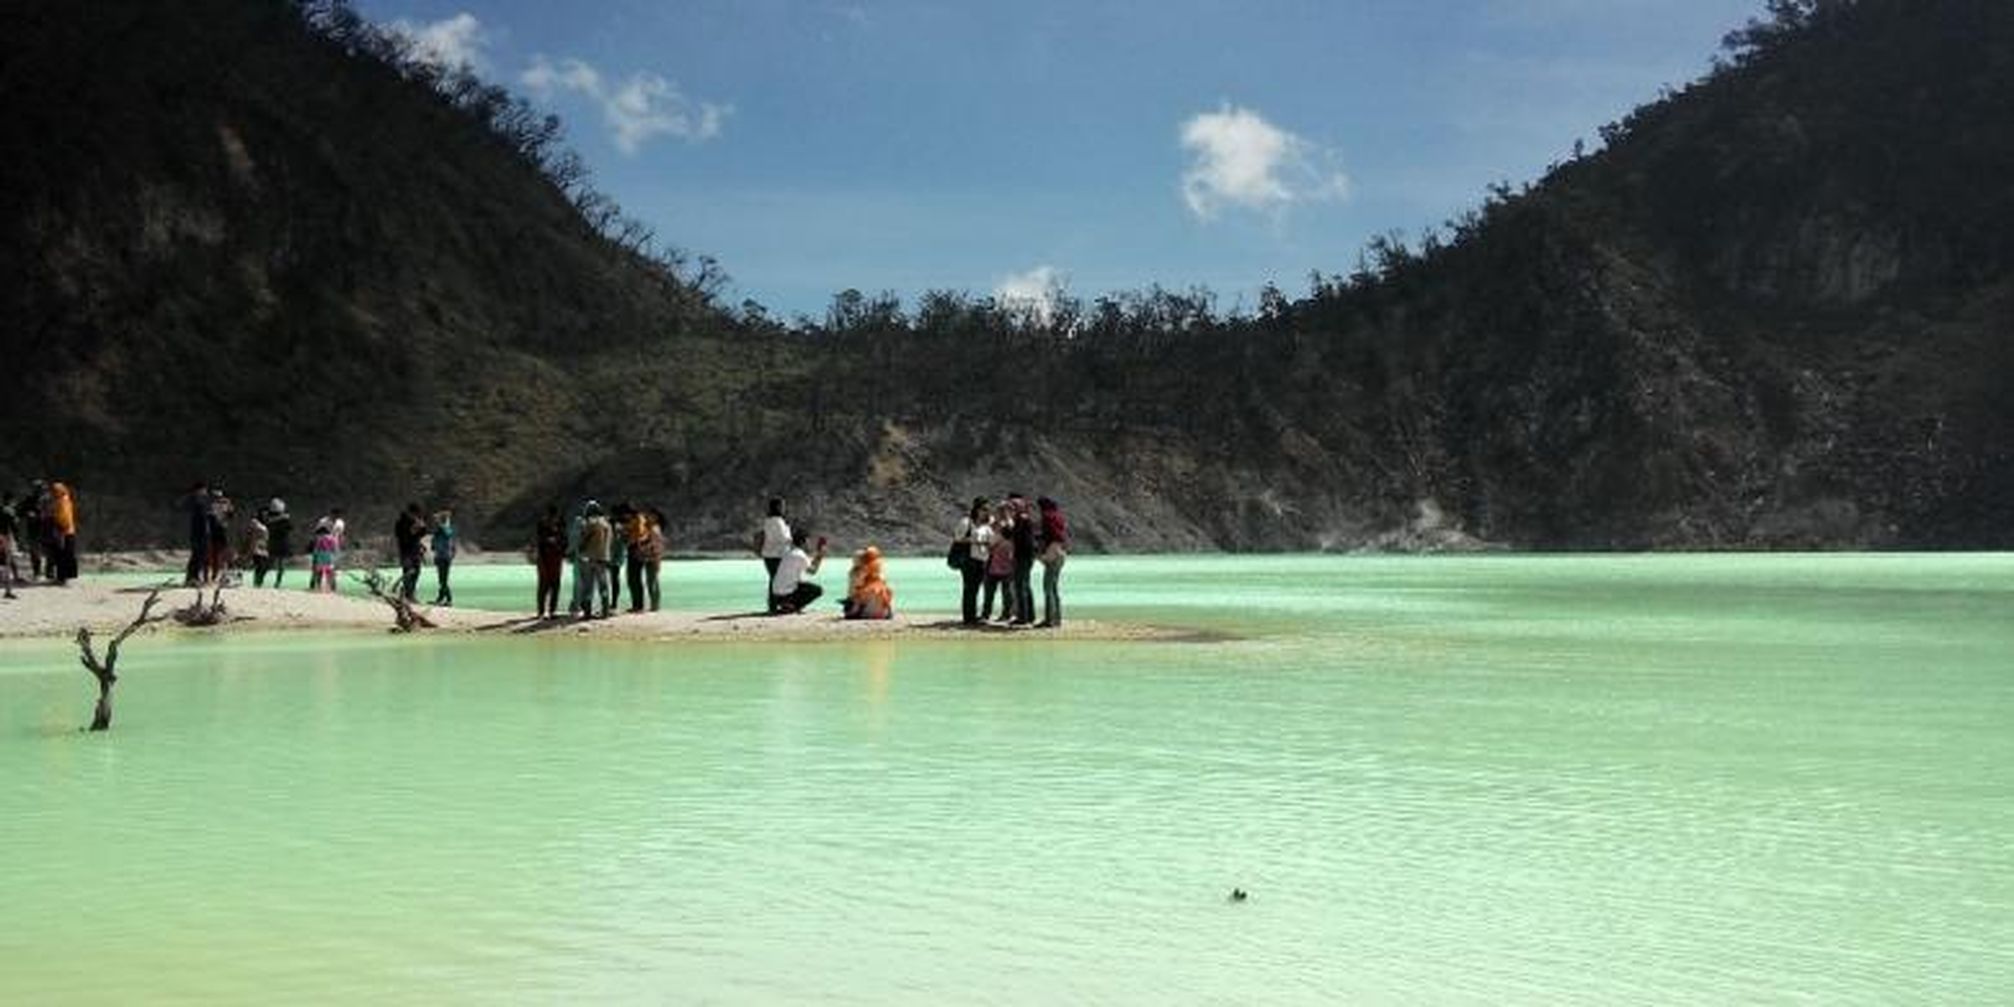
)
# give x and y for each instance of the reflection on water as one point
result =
(1592, 780)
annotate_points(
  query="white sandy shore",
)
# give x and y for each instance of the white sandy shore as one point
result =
(56, 612)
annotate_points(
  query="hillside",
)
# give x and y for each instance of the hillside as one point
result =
(1771, 311)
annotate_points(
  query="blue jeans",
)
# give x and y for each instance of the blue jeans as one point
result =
(1052, 599)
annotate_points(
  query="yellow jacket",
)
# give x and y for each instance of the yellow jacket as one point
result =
(62, 509)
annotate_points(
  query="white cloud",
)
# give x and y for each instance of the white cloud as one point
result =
(543, 78)
(636, 108)
(1238, 159)
(1034, 291)
(454, 43)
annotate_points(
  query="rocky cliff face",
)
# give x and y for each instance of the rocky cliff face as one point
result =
(1772, 312)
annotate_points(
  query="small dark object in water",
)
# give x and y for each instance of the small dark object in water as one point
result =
(1239, 895)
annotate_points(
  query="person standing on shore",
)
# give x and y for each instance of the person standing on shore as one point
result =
(645, 553)
(999, 568)
(221, 512)
(324, 552)
(974, 542)
(549, 552)
(279, 540)
(618, 550)
(196, 506)
(407, 534)
(10, 527)
(659, 548)
(258, 545)
(772, 543)
(1055, 549)
(1024, 534)
(576, 526)
(28, 515)
(63, 531)
(595, 536)
(445, 547)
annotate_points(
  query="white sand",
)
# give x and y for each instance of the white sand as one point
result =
(47, 611)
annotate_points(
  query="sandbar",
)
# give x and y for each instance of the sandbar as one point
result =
(47, 611)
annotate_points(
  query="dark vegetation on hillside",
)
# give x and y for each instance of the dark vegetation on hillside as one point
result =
(1772, 310)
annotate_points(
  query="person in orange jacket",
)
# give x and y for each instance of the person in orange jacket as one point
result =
(63, 529)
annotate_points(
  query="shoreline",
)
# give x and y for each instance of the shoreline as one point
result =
(47, 612)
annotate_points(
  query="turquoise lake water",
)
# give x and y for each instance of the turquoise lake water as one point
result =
(1595, 780)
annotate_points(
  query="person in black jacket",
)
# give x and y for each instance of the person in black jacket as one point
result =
(279, 542)
(196, 506)
(409, 533)
(1024, 534)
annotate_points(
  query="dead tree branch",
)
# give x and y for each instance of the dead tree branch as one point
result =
(106, 671)
(202, 613)
(405, 617)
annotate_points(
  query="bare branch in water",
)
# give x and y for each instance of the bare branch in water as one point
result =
(106, 671)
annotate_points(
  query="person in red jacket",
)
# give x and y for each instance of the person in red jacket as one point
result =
(1055, 548)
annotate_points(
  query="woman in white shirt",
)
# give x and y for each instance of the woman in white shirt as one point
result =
(772, 542)
(975, 534)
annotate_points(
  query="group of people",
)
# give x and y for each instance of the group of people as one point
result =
(606, 548)
(43, 523)
(222, 547)
(790, 566)
(995, 549)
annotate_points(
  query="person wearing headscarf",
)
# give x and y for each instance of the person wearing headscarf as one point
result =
(868, 596)
(63, 531)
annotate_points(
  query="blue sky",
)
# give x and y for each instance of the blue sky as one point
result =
(816, 145)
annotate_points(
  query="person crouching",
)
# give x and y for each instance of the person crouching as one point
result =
(868, 596)
(790, 590)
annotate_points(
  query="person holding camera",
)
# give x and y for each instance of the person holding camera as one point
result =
(791, 590)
